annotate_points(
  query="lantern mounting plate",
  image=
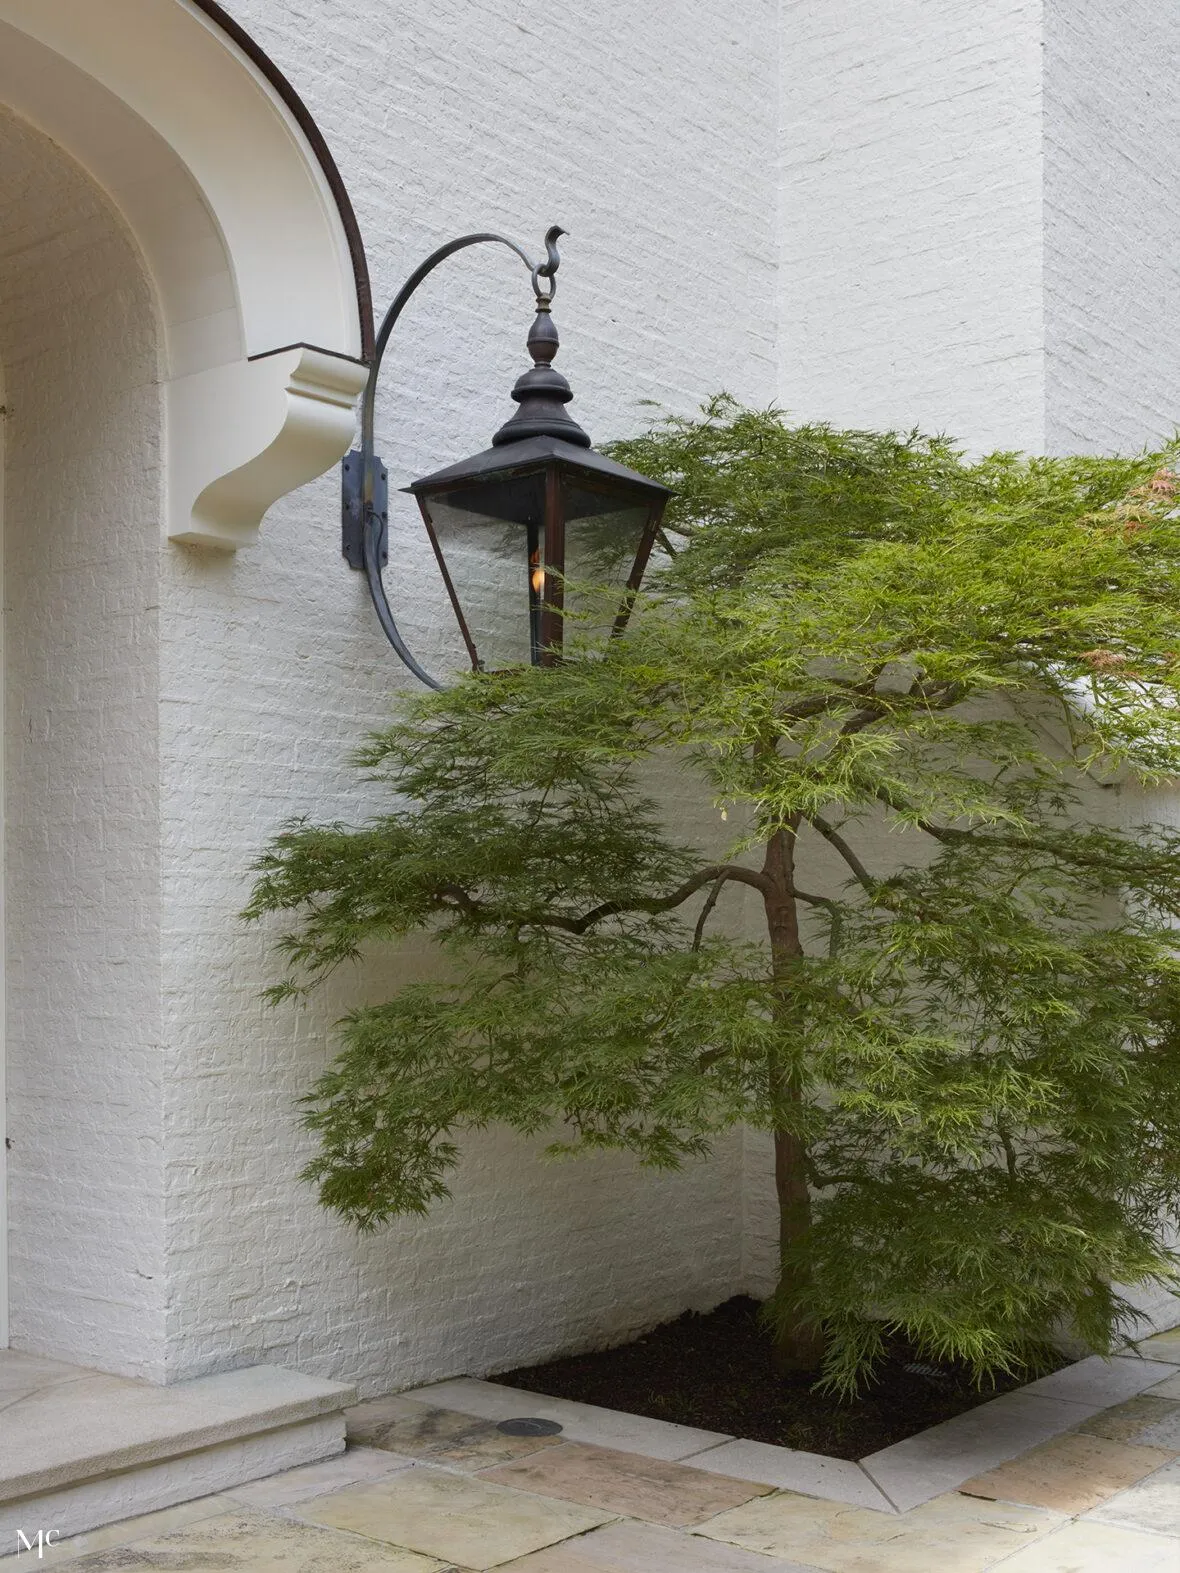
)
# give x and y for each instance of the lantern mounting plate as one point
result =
(352, 510)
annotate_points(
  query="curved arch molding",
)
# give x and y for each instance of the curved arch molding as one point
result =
(221, 174)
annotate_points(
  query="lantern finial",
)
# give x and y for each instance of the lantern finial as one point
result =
(543, 393)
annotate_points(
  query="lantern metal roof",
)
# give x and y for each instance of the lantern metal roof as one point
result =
(496, 462)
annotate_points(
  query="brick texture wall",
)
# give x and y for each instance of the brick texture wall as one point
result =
(879, 215)
(81, 528)
(1112, 225)
(645, 131)
(911, 291)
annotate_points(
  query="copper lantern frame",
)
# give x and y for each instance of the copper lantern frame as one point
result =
(540, 476)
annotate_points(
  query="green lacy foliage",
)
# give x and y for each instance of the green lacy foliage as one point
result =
(844, 629)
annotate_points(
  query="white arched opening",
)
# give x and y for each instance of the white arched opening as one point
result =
(242, 230)
(183, 321)
(83, 491)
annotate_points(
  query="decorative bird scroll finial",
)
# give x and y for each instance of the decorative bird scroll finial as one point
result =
(548, 268)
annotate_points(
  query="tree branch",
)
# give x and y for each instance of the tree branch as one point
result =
(835, 839)
(939, 696)
(834, 914)
(950, 835)
(861, 720)
(454, 896)
(939, 832)
(819, 704)
(814, 901)
(1009, 1149)
(698, 932)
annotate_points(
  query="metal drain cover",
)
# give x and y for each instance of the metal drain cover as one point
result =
(529, 1427)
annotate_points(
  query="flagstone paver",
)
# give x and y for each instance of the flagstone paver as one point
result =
(146, 1526)
(1098, 1383)
(1162, 1346)
(1086, 1547)
(647, 1488)
(580, 1422)
(1069, 1474)
(1077, 1476)
(1152, 1504)
(940, 1459)
(313, 1480)
(1168, 1388)
(259, 1543)
(426, 1431)
(952, 1532)
(1148, 1421)
(457, 1518)
(557, 1559)
(628, 1547)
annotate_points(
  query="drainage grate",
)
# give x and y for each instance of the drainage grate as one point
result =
(929, 1373)
(529, 1427)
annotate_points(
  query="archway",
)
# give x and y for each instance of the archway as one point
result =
(182, 331)
(245, 230)
(83, 491)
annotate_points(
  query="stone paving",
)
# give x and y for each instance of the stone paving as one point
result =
(428, 1488)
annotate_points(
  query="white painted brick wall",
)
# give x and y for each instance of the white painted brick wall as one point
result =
(644, 130)
(82, 522)
(1112, 225)
(979, 224)
(910, 213)
(980, 219)
(1112, 244)
(854, 210)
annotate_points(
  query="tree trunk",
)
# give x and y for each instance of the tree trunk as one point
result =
(798, 1346)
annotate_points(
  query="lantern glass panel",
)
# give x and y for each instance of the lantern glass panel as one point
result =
(602, 536)
(487, 561)
(529, 530)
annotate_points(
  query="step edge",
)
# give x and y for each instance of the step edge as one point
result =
(333, 1396)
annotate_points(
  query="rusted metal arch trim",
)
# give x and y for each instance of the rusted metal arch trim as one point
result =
(307, 124)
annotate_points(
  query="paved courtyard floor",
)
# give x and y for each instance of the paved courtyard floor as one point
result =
(427, 1488)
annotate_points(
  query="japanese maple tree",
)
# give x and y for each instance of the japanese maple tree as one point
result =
(968, 1055)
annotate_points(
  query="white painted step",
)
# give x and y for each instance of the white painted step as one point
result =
(79, 1449)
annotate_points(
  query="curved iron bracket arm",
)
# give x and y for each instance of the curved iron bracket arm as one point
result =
(365, 480)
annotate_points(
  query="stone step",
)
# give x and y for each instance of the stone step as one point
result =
(79, 1449)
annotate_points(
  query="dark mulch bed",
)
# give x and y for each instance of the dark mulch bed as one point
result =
(714, 1371)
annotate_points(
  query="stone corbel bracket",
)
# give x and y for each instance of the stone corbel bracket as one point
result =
(242, 435)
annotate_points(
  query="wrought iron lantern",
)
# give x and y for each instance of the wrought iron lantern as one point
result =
(521, 528)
